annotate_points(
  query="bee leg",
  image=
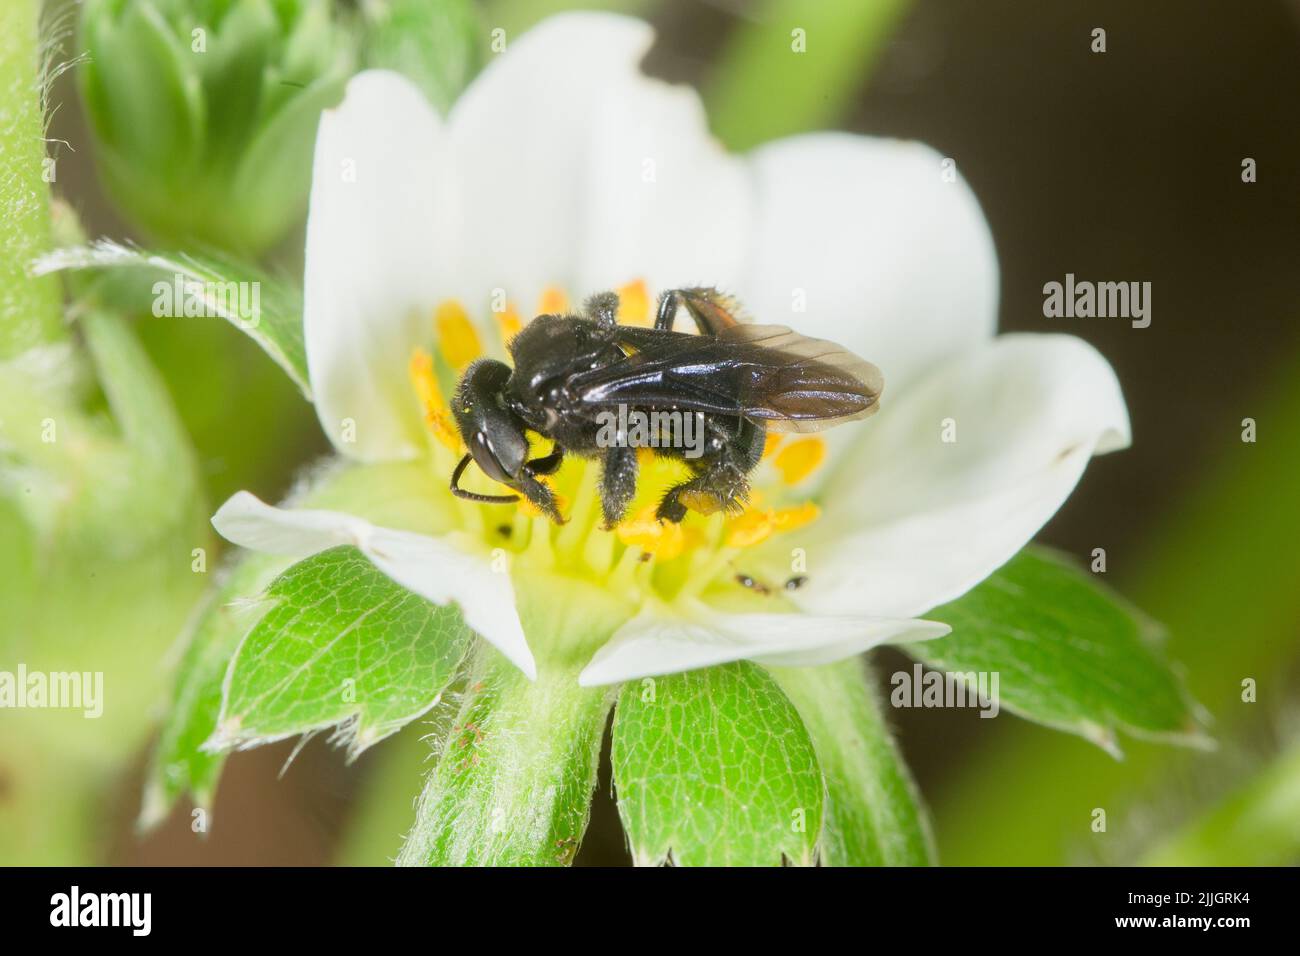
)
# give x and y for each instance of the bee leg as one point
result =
(541, 496)
(722, 486)
(712, 310)
(602, 308)
(548, 465)
(721, 480)
(617, 483)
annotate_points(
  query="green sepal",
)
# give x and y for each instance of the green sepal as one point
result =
(714, 767)
(1067, 653)
(275, 324)
(340, 645)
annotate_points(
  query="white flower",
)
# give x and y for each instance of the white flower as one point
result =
(563, 169)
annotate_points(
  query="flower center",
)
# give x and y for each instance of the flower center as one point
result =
(642, 554)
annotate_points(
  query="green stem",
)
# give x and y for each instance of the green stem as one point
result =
(514, 780)
(1259, 825)
(30, 309)
(797, 66)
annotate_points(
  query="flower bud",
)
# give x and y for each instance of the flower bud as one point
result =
(205, 111)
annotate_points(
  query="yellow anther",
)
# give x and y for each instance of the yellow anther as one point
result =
(436, 413)
(770, 444)
(796, 516)
(457, 338)
(553, 301)
(508, 323)
(746, 530)
(664, 540)
(799, 459)
(634, 304)
(758, 524)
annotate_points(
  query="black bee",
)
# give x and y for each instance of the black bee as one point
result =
(571, 372)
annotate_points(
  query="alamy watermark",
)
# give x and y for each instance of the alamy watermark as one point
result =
(133, 911)
(53, 690)
(633, 428)
(931, 688)
(1102, 300)
(187, 297)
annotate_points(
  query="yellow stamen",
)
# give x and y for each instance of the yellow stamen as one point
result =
(436, 413)
(799, 459)
(457, 337)
(757, 525)
(508, 323)
(634, 304)
(553, 301)
(770, 444)
(664, 540)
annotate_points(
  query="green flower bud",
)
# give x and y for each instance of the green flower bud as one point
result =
(205, 111)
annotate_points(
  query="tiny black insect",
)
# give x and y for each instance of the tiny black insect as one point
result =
(572, 371)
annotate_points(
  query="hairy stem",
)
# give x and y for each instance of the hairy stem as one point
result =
(30, 310)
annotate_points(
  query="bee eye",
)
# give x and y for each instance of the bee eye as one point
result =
(486, 459)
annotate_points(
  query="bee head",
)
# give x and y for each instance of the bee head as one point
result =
(492, 432)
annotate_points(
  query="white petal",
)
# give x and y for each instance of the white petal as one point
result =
(656, 642)
(371, 276)
(428, 566)
(666, 203)
(912, 521)
(576, 170)
(861, 241)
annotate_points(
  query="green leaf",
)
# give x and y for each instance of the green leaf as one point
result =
(390, 494)
(180, 764)
(226, 288)
(515, 775)
(1067, 653)
(438, 44)
(714, 768)
(872, 814)
(342, 645)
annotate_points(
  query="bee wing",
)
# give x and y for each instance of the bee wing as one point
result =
(767, 373)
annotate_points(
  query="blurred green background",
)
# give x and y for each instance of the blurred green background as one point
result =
(1116, 166)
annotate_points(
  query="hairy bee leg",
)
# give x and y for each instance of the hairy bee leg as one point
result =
(602, 308)
(541, 496)
(712, 310)
(721, 481)
(617, 484)
(721, 487)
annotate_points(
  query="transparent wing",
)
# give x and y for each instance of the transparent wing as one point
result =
(767, 373)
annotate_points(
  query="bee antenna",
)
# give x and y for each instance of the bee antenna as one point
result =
(460, 492)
